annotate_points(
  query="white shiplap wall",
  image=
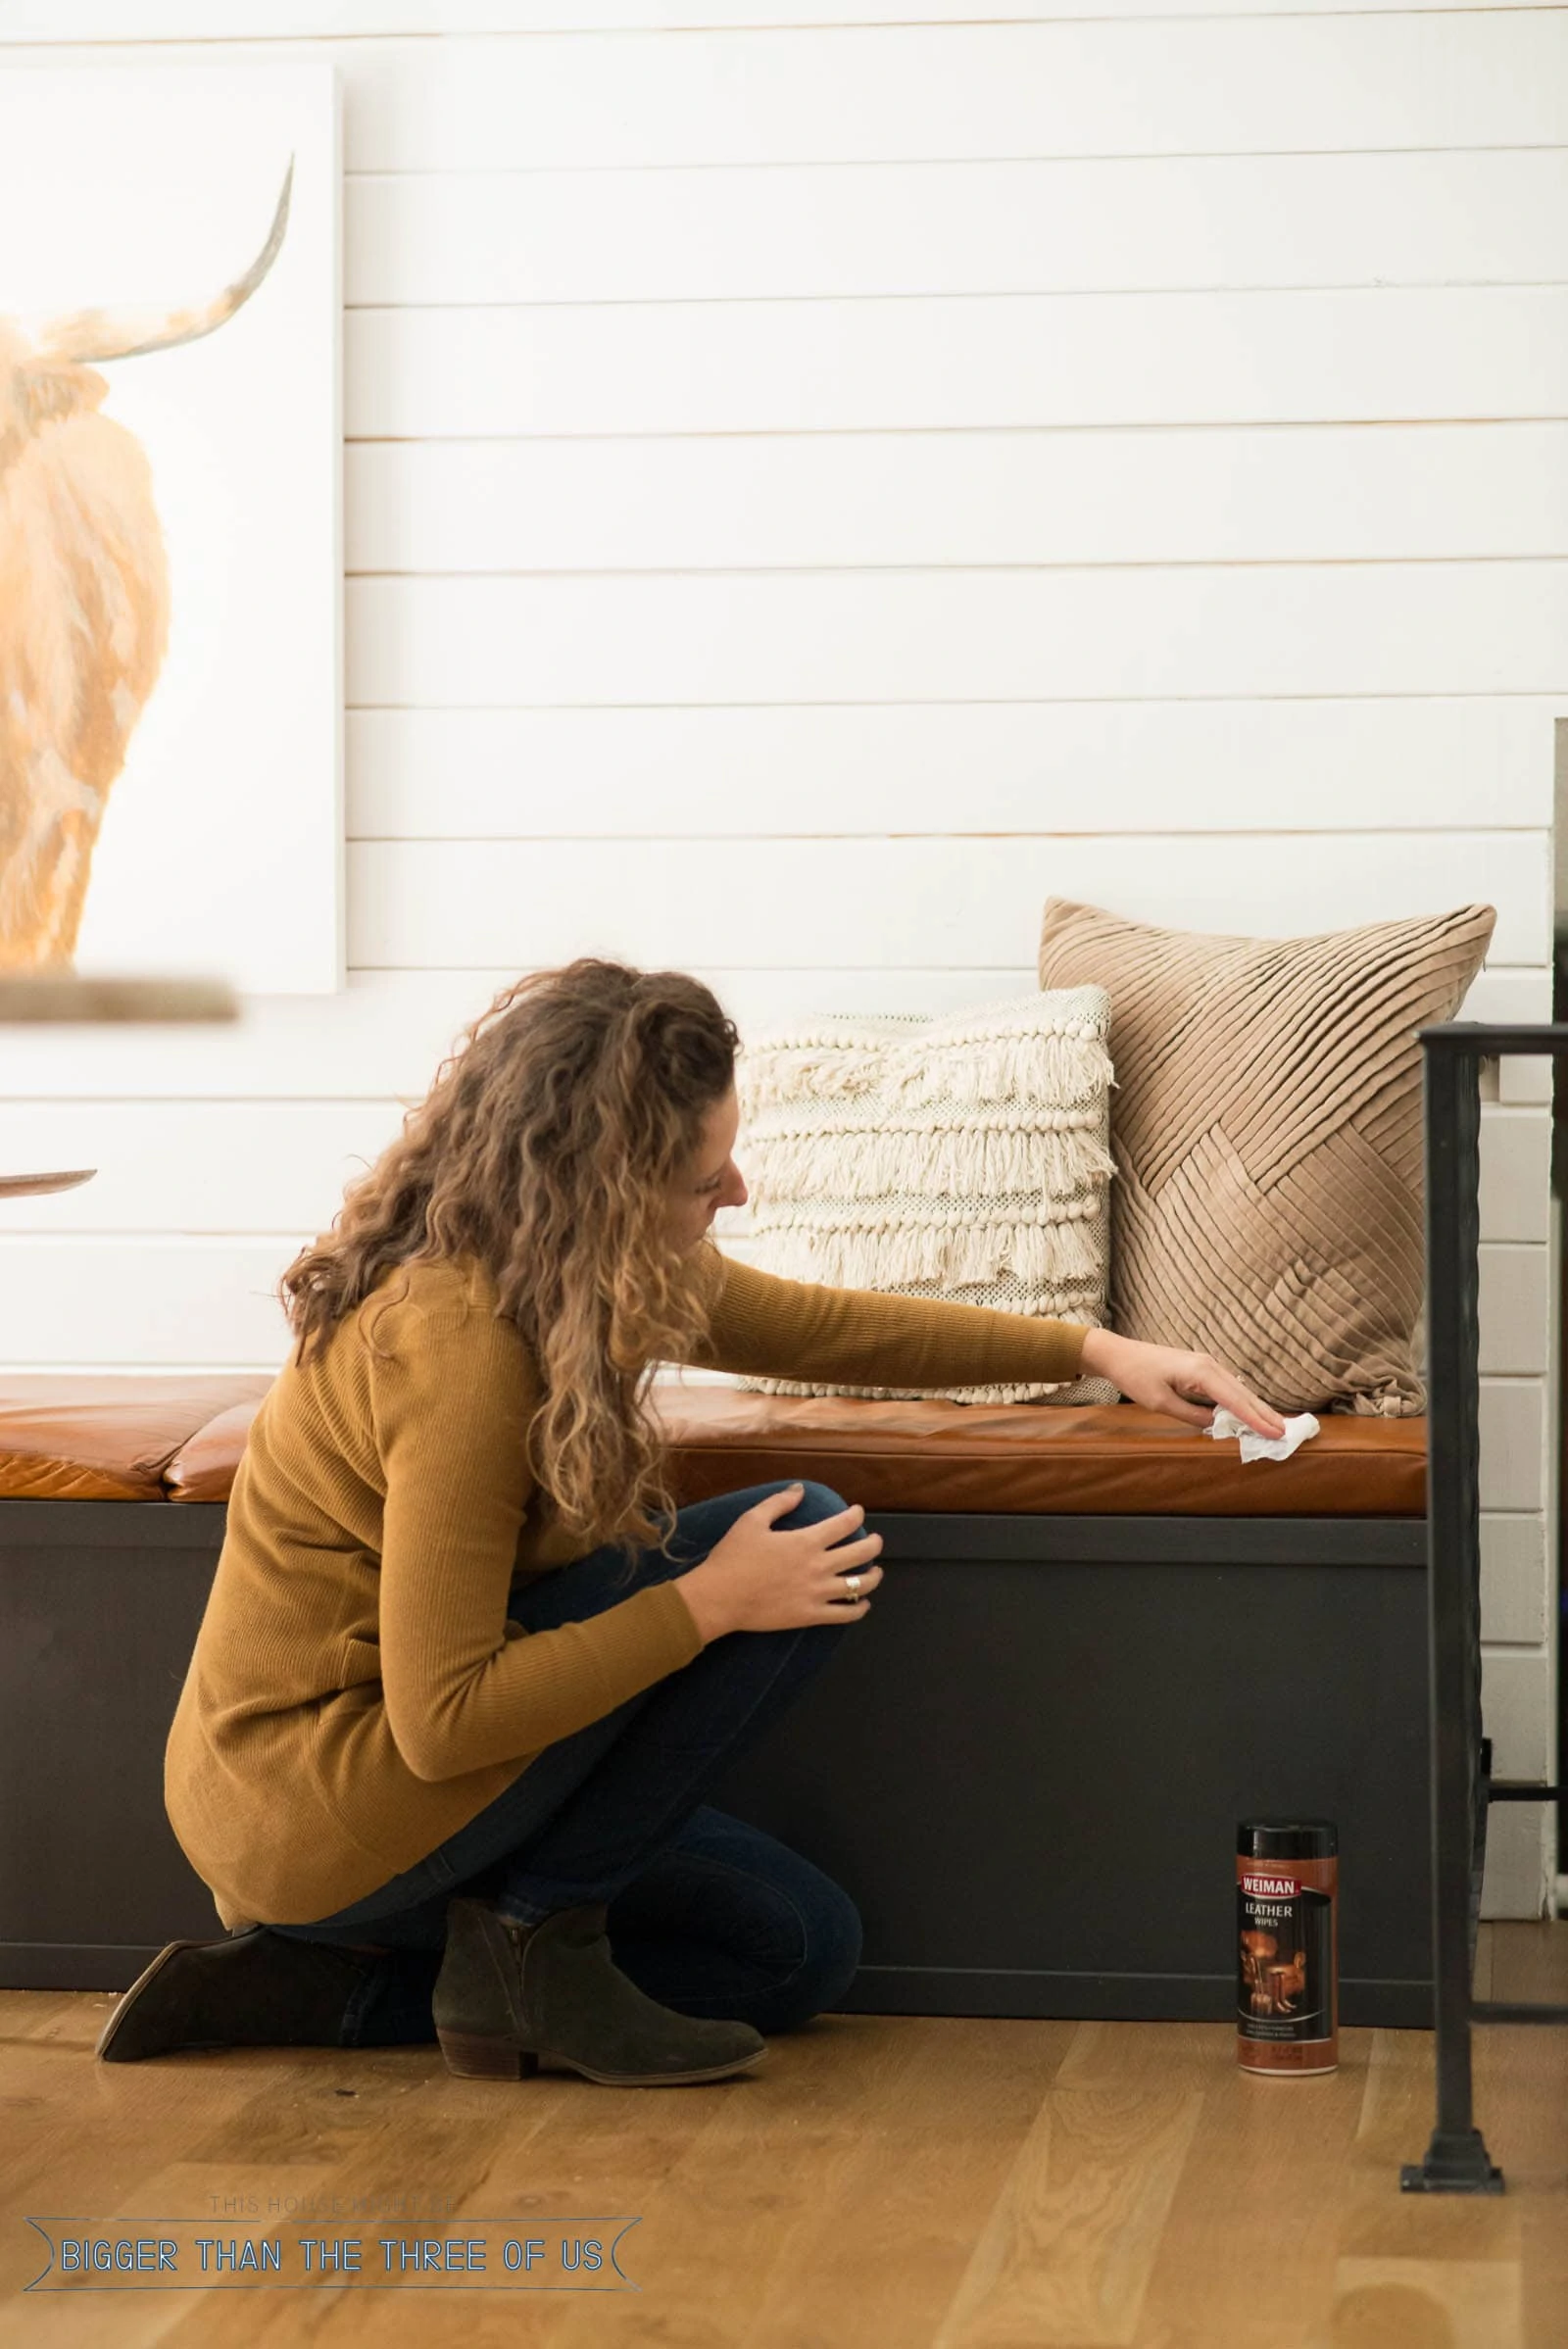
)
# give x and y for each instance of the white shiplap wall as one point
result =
(815, 488)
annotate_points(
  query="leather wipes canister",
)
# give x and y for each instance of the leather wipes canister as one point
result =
(1288, 1946)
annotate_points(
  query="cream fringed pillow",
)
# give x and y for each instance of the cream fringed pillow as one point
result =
(1268, 1143)
(964, 1157)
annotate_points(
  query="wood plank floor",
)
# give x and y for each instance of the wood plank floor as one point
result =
(882, 2183)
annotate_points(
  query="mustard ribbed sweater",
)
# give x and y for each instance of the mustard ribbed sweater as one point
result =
(357, 1692)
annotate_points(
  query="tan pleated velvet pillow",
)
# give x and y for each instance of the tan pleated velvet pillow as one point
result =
(1266, 1129)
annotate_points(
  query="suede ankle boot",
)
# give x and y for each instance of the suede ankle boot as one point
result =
(510, 1996)
(256, 1990)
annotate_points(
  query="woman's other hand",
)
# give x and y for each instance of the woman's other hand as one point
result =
(763, 1576)
(1163, 1378)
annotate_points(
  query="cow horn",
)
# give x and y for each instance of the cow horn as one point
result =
(90, 335)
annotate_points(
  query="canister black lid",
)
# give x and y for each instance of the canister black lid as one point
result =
(1287, 1839)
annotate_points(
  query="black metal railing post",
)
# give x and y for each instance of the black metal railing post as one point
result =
(1457, 2160)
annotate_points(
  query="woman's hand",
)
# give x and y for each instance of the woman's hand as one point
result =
(1163, 1377)
(762, 1579)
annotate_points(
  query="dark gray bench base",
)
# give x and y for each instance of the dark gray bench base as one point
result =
(1026, 1765)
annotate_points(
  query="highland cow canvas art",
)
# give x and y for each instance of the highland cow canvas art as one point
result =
(169, 531)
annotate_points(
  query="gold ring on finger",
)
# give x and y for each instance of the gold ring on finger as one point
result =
(852, 1584)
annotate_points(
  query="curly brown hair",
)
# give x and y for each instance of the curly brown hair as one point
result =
(544, 1147)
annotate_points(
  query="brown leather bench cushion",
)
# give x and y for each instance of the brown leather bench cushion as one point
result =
(100, 1436)
(1089, 1460)
(180, 1439)
(203, 1469)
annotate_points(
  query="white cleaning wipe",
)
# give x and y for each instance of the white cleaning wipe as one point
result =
(1265, 1448)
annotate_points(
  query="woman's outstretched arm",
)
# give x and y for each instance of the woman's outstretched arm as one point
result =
(764, 1327)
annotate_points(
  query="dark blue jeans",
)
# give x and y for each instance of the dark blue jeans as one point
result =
(705, 1913)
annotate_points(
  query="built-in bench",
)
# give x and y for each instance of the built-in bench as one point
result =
(1102, 1639)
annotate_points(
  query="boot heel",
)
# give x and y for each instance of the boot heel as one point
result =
(472, 2058)
(511, 1997)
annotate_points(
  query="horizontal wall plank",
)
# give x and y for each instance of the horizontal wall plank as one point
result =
(214, 21)
(186, 1303)
(250, 1168)
(1507, 999)
(1514, 1310)
(1517, 1714)
(1513, 1580)
(1518, 1880)
(235, 1169)
(384, 1035)
(123, 1304)
(1512, 1420)
(1515, 1168)
(1190, 85)
(914, 903)
(858, 93)
(1337, 493)
(854, 94)
(1042, 766)
(1081, 225)
(994, 362)
(1076, 634)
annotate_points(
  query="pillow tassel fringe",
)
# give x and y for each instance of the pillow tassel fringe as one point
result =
(1058, 1067)
(950, 1161)
(886, 1255)
(964, 1155)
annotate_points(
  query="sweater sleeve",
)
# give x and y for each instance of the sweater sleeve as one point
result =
(764, 1327)
(451, 1400)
